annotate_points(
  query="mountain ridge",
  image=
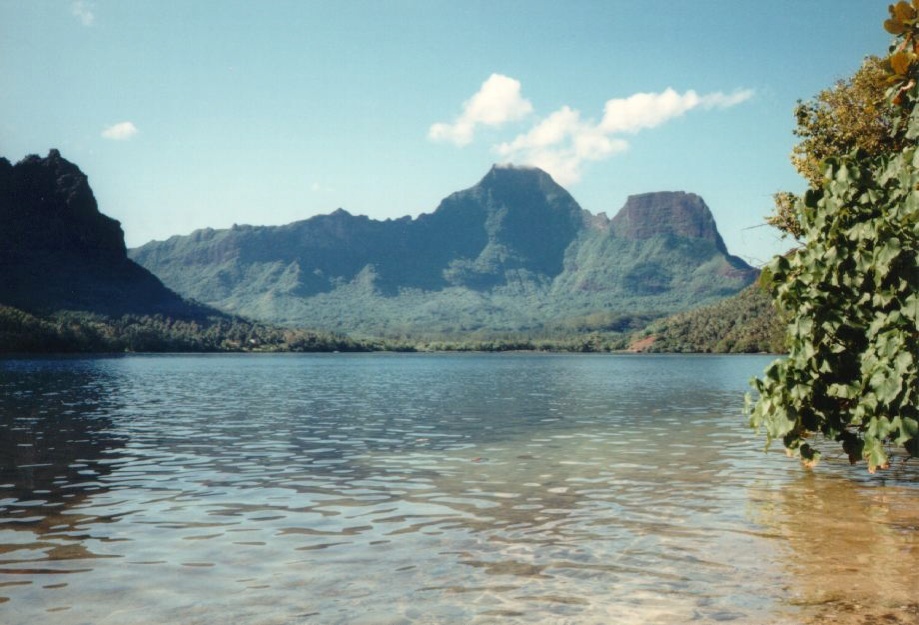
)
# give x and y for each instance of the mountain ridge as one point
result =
(513, 252)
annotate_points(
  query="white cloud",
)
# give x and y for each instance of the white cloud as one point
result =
(648, 110)
(83, 11)
(722, 101)
(645, 110)
(497, 102)
(550, 131)
(120, 131)
(562, 142)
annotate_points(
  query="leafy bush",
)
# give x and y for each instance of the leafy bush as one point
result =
(745, 323)
(852, 294)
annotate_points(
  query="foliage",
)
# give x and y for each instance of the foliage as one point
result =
(745, 323)
(852, 295)
(853, 114)
(784, 215)
(84, 332)
(594, 342)
(69, 331)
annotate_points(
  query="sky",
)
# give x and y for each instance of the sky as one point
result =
(188, 114)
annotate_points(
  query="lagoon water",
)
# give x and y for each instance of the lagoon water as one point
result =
(385, 489)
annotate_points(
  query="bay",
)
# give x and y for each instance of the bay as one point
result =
(437, 488)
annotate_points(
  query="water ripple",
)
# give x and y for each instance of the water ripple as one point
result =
(401, 489)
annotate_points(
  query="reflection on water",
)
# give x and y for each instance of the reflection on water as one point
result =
(852, 547)
(423, 489)
(55, 441)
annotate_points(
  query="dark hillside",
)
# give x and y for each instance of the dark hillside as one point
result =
(58, 252)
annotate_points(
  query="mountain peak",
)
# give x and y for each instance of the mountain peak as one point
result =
(525, 190)
(513, 251)
(675, 213)
(49, 199)
(510, 167)
(507, 173)
(57, 251)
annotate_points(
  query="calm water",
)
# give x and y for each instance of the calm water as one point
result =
(426, 489)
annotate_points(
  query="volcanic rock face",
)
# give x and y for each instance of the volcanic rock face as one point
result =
(513, 252)
(58, 252)
(672, 213)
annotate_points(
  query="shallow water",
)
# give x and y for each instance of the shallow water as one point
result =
(392, 489)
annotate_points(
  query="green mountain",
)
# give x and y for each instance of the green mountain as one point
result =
(514, 253)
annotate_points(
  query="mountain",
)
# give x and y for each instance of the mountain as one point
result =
(515, 252)
(67, 284)
(58, 252)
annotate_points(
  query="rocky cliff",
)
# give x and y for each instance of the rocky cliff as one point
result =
(672, 213)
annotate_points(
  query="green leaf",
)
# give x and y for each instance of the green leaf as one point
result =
(908, 430)
(873, 452)
(885, 386)
(886, 254)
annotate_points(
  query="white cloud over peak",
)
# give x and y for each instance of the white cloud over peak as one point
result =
(83, 11)
(497, 102)
(562, 142)
(120, 131)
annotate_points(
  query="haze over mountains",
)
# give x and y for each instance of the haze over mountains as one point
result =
(515, 253)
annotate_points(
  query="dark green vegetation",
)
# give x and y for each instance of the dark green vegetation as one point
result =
(744, 323)
(514, 255)
(74, 332)
(851, 291)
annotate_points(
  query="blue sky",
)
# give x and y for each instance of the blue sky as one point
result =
(190, 113)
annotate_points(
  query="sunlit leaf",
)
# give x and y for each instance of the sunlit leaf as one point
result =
(894, 27)
(902, 11)
(900, 62)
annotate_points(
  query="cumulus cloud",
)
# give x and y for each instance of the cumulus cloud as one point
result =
(562, 142)
(83, 11)
(497, 102)
(120, 131)
(648, 110)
